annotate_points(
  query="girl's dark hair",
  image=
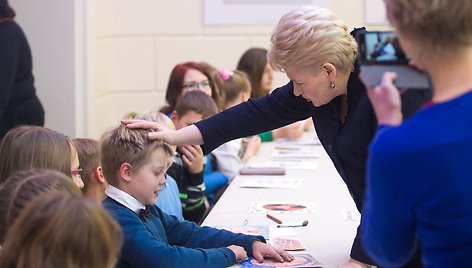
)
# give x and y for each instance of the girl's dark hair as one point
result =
(253, 63)
(6, 11)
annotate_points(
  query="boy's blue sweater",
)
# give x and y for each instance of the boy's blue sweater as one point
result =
(164, 241)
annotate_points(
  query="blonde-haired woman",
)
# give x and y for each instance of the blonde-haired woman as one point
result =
(419, 178)
(318, 53)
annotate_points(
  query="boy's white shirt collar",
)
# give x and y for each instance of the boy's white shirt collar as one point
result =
(124, 198)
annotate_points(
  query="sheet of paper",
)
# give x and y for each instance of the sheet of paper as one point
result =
(271, 182)
(287, 243)
(277, 232)
(301, 260)
(289, 164)
(282, 207)
(295, 154)
(310, 142)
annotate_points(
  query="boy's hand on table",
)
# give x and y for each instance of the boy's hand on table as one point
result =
(241, 254)
(261, 250)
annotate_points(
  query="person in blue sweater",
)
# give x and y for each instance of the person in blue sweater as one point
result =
(134, 167)
(419, 180)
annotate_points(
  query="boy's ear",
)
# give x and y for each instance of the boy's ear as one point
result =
(125, 172)
(98, 175)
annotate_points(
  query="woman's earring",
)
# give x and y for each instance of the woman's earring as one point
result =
(332, 85)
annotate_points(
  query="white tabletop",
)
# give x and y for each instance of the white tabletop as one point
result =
(328, 236)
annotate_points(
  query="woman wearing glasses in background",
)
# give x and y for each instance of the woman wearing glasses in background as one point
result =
(186, 77)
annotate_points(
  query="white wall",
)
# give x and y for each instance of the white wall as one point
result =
(96, 60)
(51, 29)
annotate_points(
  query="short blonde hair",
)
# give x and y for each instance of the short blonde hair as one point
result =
(308, 37)
(435, 24)
(124, 145)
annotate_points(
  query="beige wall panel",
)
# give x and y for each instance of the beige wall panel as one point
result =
(128, 63)
(103, 61)
(222, 52)
(149, 17)
(113, 107)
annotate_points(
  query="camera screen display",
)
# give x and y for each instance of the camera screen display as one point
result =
(381, 48)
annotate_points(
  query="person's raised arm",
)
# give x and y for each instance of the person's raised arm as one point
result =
(184, 136)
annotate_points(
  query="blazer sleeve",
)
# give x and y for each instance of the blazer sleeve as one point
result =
(254, 116)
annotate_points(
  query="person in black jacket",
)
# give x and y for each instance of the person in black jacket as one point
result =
(19, 104)
(313, 47)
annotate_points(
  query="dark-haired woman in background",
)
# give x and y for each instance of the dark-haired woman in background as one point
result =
(186, 77)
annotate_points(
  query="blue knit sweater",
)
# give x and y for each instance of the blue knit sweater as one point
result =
(420, 188)
(164, 241)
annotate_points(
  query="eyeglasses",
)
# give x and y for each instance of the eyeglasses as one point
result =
(196, 85)
(77, 173)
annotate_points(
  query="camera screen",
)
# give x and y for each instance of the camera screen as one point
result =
(382, 47)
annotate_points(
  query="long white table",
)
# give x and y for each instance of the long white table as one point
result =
(328, 236)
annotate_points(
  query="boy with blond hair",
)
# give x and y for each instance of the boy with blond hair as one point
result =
(134, 167)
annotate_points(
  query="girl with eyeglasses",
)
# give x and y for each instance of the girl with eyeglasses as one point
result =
(27, 147)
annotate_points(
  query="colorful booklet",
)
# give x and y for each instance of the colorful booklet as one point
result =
(301, 260)
(282, 207)
(286, 243)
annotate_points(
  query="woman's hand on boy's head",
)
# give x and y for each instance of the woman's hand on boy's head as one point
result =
(261, 250)
(142, 124)
(239, 252)
(158, 132)
(192, 156)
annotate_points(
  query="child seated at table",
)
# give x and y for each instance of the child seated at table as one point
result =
(192, 107)
(231, 156)
(88, 151)
(169, 197)
(134, 167)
